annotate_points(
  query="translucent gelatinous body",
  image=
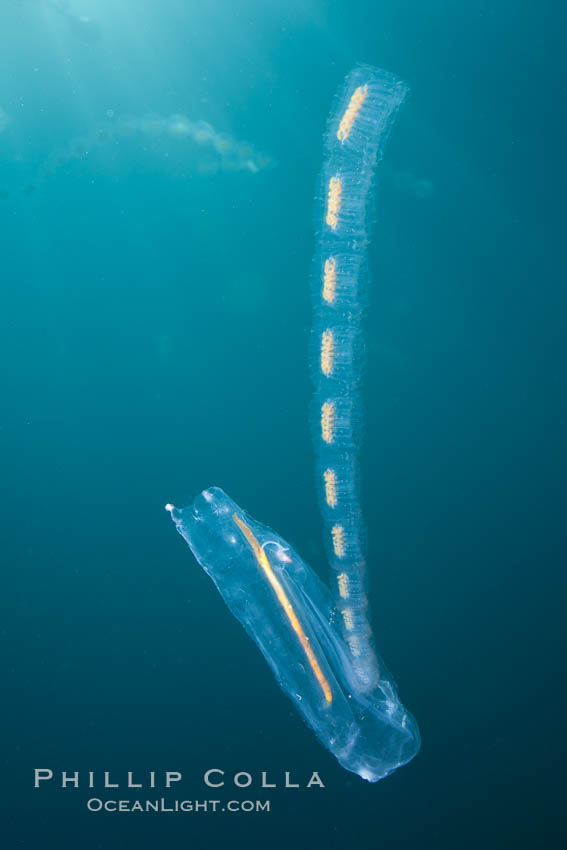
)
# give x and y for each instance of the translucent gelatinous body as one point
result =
(289, 614)
(319, 642)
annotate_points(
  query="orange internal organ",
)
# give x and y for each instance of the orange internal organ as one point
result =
(334, 202)
(330, 280)
(342, 581)
(327, 352)
(283, 600)
(351, 112)
(330, 479)
(338, 535)
(328, 421)
(347, 617)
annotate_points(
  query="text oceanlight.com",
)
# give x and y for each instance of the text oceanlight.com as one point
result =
(95, 804)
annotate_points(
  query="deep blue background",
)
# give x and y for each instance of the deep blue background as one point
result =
(154, 335)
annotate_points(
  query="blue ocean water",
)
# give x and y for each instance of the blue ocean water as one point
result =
(158, 162)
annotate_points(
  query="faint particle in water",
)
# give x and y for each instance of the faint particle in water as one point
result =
(4, 195)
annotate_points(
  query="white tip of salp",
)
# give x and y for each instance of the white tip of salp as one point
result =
(169, 507)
